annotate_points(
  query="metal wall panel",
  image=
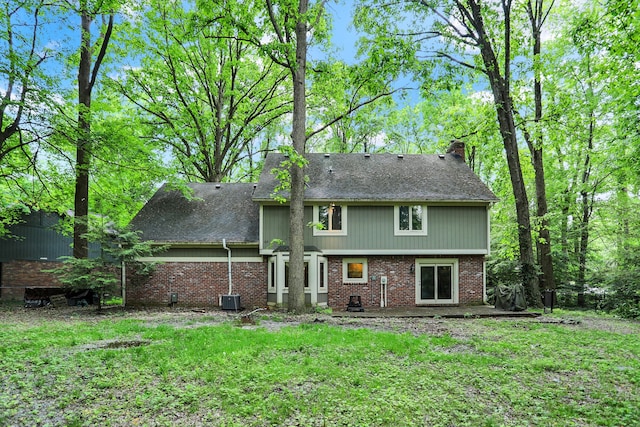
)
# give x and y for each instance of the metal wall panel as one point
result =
(37, 239)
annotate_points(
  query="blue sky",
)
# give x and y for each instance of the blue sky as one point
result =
(344, 40)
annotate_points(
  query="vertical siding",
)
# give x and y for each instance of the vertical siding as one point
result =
(36, 238)
(372, 228)
(275, 225)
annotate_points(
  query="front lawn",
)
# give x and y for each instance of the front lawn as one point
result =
(205, 369)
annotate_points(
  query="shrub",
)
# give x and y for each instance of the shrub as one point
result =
(101, 274)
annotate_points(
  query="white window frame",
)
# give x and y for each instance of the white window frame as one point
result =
(322, 232)
(307, 277)
(396, 221)
(455, 277)
(272, 272)
(355, 280)
(323, 275)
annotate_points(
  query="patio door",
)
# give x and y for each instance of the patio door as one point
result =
(436, 283)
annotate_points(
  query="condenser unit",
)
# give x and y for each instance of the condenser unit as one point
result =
(231, 302)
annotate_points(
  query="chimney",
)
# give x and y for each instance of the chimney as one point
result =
(456, 149)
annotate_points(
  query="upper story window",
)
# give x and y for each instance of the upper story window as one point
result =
(330, 219)
(410, 220)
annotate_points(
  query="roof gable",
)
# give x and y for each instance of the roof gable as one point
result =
(216, 212)
(382, 178)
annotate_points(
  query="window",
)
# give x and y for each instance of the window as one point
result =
(410, 220)
(354, 270)
(286, 275)
(272, 274)
(330, 219)
(322, 267)
(436, 281)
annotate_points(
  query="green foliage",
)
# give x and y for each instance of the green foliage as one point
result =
(10, 216)
(203, 92)
(625, 300)
(622, 284)
(282, 173)
(88, 273)
(503, 271)
(101, 274)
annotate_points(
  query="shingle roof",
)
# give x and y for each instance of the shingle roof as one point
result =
(382, 178)
(217, 211)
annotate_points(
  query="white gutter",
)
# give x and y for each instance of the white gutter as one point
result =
(224, 245)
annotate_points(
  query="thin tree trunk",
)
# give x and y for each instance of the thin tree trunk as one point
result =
(586, 216)
(587, 204)
(537, 17)
(83, 147)
(296, 210)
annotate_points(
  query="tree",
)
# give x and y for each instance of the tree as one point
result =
(24, 92)
(538, 14)
(204, 91)
(21, 61)
(348, 104)
(479, 38)
(88, 69)
(291, 23)
(119, 247)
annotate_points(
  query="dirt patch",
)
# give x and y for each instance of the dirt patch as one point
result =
(274, 320)
(115, 344)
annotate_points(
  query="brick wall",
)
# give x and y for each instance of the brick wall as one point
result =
(401, 288)
(18, 275)
(470, 277)
(201, 284)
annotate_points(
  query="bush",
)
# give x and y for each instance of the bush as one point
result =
(101, 274)
(625, 298)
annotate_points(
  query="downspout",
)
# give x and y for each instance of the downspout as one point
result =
(224, 245)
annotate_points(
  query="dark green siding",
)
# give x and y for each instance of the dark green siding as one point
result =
(372, 228)
(36, 238)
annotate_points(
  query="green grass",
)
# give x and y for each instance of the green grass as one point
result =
(128, 372)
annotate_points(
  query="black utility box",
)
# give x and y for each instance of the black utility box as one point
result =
(231, 302)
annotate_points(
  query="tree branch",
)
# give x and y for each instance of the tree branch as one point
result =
(351, 110)
(102, 53)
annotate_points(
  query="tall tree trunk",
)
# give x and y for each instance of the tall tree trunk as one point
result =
(296, 210)
(504, 110)
(586, 201)
(537, 17)
(83, 145)
(587, 207)
(86, 81)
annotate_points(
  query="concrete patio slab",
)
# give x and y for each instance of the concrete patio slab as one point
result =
(469, 311)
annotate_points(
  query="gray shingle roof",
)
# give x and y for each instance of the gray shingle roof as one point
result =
(382, 178)
(227, 212)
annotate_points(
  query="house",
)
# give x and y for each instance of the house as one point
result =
(395, 230)
(35, 244)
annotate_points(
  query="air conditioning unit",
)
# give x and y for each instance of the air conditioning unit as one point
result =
(231, 302)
